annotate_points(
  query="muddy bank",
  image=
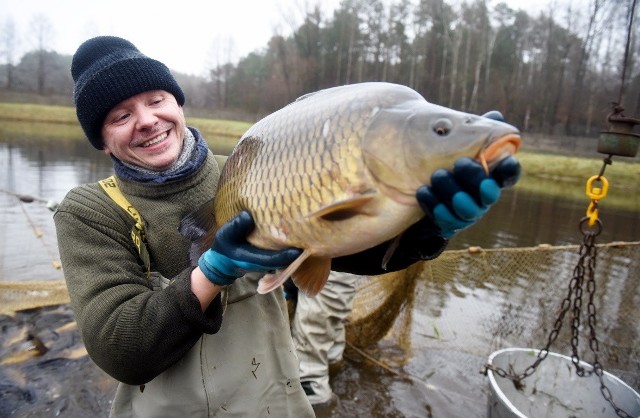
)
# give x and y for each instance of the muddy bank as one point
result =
(44, 368)
(45, 372)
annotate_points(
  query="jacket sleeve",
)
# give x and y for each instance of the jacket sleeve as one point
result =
(131, 331)
(418, 243)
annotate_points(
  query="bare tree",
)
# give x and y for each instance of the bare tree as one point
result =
(220, 68)
(42, 34)
(9, 44)
(586, 51)
(546, 71)
(456, 43)
(485, 40)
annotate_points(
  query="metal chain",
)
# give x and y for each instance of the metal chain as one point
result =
(591, 311)
(588, 254)
(585, 250)
(575, 288)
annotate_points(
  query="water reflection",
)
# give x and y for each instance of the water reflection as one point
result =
(523, 219)
(45, 169)
(48, 168)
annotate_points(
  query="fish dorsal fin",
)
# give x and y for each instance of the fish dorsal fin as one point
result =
(199, 227)
(343, 209)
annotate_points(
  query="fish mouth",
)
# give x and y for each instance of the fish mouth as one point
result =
(498, 150)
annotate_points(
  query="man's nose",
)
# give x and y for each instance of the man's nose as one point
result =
(145, 118)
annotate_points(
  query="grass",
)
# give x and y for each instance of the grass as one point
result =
(566, 168)
(21, 112)
(566, 176)
(225, 132)
(35, 120)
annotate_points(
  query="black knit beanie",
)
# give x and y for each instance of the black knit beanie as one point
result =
(107, 70)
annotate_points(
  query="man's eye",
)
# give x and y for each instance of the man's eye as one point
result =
(120, 118)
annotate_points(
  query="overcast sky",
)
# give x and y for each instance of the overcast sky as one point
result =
(187, 35)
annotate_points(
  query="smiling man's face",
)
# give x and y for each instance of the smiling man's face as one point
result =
(146, 130)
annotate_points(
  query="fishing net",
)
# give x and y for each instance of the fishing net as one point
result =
(380, 299)
(18, 296)
(474, 302)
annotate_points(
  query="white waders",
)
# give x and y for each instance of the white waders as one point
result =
(319, 333)
(247, 369)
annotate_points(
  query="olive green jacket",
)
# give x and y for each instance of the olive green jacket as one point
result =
(236, 359)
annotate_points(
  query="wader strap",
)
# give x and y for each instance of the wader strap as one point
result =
(110, 186)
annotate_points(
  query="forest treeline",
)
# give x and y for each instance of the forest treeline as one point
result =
(557, 72)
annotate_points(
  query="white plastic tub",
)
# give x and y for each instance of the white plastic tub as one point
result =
(554, 390)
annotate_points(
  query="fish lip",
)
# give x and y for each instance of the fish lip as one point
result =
(498, 149)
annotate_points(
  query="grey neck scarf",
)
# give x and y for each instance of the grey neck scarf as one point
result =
(193, 154)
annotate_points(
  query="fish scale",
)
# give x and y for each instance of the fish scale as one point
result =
(336, 171)
(294, 170)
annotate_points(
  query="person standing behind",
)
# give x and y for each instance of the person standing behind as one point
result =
(318, 330)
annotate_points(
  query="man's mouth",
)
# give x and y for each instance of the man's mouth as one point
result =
(155, 140)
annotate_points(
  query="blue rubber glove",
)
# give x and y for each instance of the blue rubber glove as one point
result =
(232, 256)
(453, 202)
(458, 199)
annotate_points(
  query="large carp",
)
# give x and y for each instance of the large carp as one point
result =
(336, 171)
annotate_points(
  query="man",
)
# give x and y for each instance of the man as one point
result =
(163, 335)
(182, 340)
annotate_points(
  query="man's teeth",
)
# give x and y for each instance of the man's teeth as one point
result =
(155, 140)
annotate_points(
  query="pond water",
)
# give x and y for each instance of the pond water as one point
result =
(47, 169)
(452, 326)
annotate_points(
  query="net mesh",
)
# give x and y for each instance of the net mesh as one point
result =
(380, 299)
(475, 302)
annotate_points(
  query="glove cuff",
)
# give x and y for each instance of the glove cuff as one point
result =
(214, 275)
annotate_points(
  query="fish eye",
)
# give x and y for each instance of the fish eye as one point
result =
(442, 127)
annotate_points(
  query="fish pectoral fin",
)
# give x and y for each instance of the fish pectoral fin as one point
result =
(199, 227)
(343, 209)
(312, 275)
(198, 223)
(272, 281)
(390, 251)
